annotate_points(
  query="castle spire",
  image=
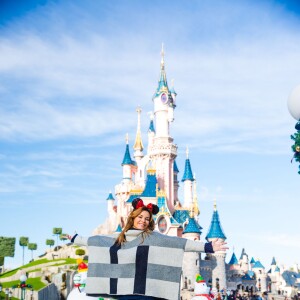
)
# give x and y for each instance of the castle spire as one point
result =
(188, 174)
(215, 229)
(162, 83)
(127, 158)
(138, 145)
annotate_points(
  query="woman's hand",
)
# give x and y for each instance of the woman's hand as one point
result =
(219, 245)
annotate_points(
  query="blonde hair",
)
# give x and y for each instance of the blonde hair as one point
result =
(121, 239)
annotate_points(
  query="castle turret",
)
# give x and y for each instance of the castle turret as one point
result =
(273, 265)
(261, 276)
(244, 261)
(233, 263)
(127, 163)
(110, 202)
(252, 262)
(219, 271)
(187, 180)
(191, 260)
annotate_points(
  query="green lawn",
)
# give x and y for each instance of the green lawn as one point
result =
(35, 282)
(67, 261)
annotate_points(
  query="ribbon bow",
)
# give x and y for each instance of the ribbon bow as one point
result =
(141, 204)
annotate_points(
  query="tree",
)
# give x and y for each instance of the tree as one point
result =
(296, 147)
(80, 252)
(23, 242)
(50, 243)
(32, 247)
(7, 248)
(63, 237)
(57, 231)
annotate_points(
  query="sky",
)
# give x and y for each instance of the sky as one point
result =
(72, 74)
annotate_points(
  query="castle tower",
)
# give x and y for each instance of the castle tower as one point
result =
(261, 276)
(273, 265)
(218, 258)
(176, 182)
(187, 180)
(233, 263)
(244, 261)
(123, 189)
(164, 151)
(191, 260)
(110, 203)
(252, 262)
(127, 164)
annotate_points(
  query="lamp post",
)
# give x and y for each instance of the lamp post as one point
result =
(23, 286)
(294, 109)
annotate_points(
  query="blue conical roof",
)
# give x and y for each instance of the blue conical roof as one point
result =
(273, 263)
(150, 189)
(175, 168)
(258, 265)
(127, 158)
(110, 197)
(192, 227)
(119, 228)
(252, 261)
(277, 269)
(233, 260)
(151, 126)
(215, 229)
(188, 174)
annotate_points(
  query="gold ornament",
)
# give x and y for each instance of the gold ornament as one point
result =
(297, 148)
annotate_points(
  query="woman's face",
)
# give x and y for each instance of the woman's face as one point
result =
(142, 220)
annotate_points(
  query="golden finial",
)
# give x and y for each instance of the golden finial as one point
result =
(215, 204)
(126, 138)
(138, 145)
(138, 110)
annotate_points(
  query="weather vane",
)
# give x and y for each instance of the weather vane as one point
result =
(294, 109)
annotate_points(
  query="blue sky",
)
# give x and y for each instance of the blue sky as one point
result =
(72, 74)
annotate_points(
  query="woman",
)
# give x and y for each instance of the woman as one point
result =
(141, 263)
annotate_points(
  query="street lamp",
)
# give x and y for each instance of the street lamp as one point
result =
(23, 286)
(294, 109)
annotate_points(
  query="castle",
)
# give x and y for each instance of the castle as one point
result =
(153, 177)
